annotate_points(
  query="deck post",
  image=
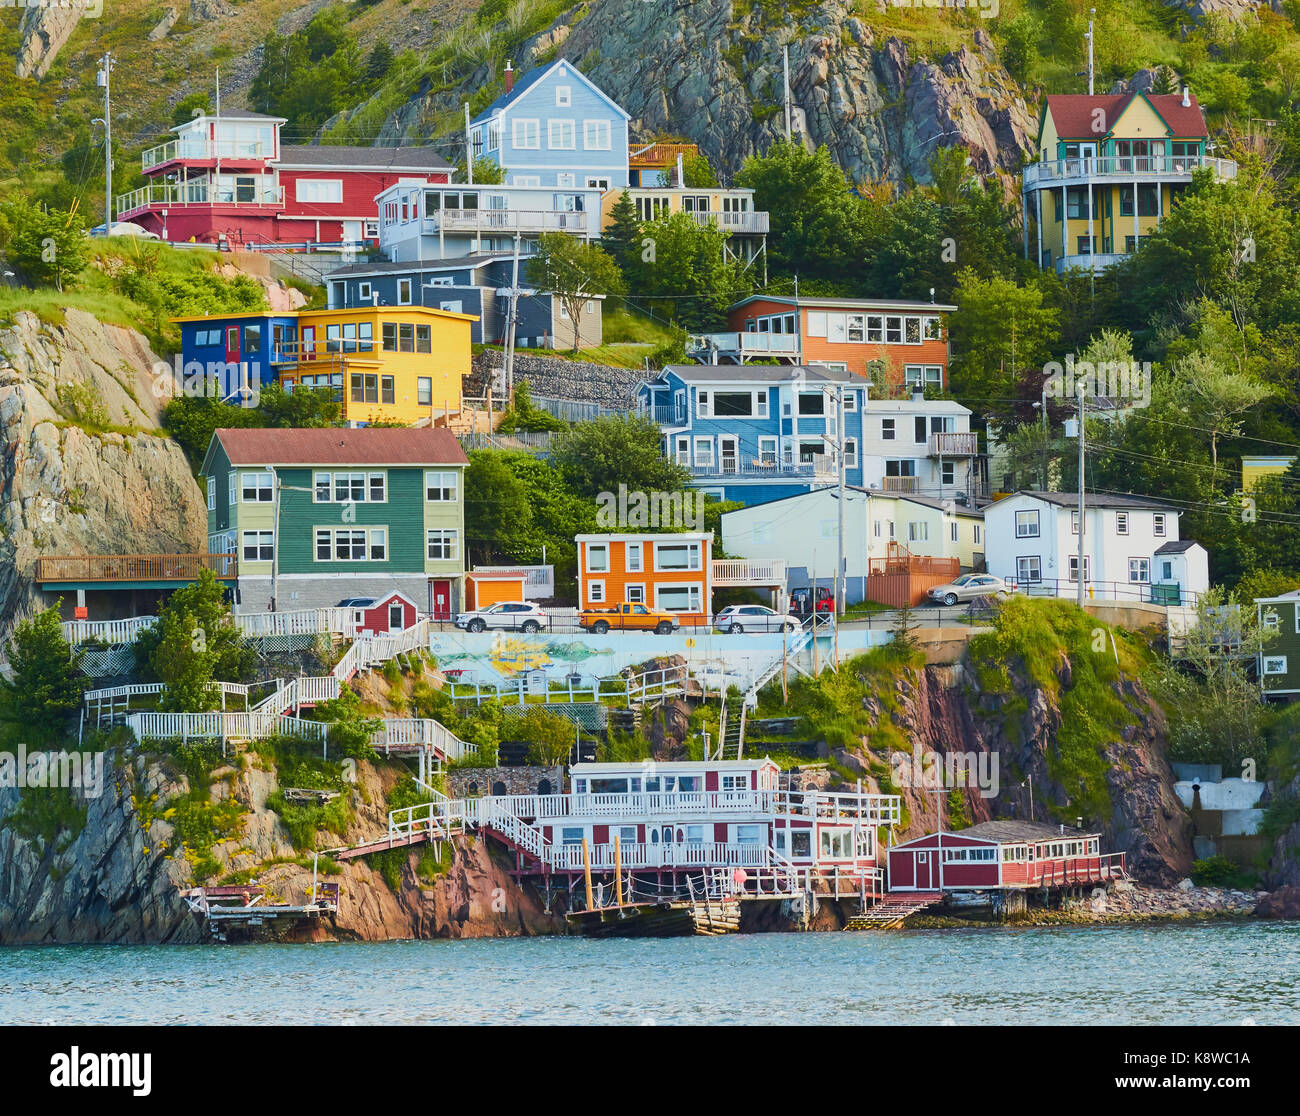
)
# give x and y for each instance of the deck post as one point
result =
(618, 871)
(586, 871)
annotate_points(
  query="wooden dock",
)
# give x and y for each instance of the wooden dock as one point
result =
(659, 919)
(890, 913)
(242, 907)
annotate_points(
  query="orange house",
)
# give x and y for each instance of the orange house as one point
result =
(852, 334)
(484, 589)
(672, 572)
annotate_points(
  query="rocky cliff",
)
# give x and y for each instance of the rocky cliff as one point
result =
(85, 469)
(712, 71)
(45, 28)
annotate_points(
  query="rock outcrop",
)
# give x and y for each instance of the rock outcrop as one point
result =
(45, 28)
(85, 469)
(712, 71)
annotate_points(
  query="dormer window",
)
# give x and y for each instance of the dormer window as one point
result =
(563, 96)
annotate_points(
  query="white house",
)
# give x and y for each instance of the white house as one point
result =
(803, 530)
(921, 446)
(1131, 547)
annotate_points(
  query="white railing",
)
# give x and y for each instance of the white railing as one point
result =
(1125, 166)
(181, 194)
(201, 149)
(506, 220)
(305, 621)
(749, 571)
(786, 344)
(539, 582)
(685, 854)
(107, 631)
(422, 732)
(745, 222)
(877, 809)
(221, 726)
(952, 444)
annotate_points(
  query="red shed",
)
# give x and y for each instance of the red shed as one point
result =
(1002, 855)
(381, 615)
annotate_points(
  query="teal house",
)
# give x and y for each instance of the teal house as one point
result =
(319, 516)
(1279, 662)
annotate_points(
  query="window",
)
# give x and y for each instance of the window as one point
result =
(322, 191)
(378, 544)
(405, 337)
(256, 488)
(596, 592)
(563, 96)
(424, 391)
(1076, 204)
(346, 544)
(887, 430)
(923, 376)
(598, 557)
(595, 135)
(812, 403)
(349, 488)
(1074, 523)
(679, 598)
(1139, 570)
(559, 135)
(252, 339)
(1158, 524)
(952, 530)
(1029, 568)
(704, 453)
(1121, 523)
(363, 292)
(677, 556)
(918, 531)
(390, 337)
(634, 594)
(948, 473)
(1027, 524)
(1275, 664)
(422, 343)
(850, 453)
(387, 394)
(976, 534)
(767, 450)
(211, 485)
(733, 404)
(850, 401)
(376, 488)
(257, 546)
(837, 843)
(702, 407)
(1074, 568)
(404, 292)
(920, 430)
(526, 134)
(233, 487)
(440, 544)
(440, 488)
(633, 553)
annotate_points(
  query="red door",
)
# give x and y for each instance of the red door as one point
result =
(442, 600)
(232, 344)
(924, 863)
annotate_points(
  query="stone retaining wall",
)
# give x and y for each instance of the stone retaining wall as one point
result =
(561, 379)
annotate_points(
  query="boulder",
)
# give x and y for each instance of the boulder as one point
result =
(1282, 903)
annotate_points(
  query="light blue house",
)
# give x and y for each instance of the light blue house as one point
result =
(758, 432)
(554, 128)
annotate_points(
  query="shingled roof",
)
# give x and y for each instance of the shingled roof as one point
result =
(341, 446)
(1073, 113)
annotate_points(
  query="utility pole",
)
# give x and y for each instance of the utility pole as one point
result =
(510, 324)
(785, 60)
(104, 78)
(1082, 521)
(840, 587)
(1091, 13)
(469, 150)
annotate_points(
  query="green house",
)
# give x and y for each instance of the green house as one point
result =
(325, 515)
(1279, 664)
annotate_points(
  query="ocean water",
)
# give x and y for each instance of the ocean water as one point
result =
(1216, 974)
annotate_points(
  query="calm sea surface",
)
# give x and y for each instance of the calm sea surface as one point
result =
(1199, 974)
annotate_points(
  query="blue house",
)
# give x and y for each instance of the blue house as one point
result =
(469, 285)
(554, 128)
(228, 357)
(754, 432)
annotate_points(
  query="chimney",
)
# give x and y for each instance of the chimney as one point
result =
(510, 76)
(681, 170)
(1187, 97)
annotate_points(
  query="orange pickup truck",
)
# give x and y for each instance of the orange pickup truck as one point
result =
(628, 618)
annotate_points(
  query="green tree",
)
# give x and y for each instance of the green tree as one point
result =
(684, 275)
(48, 246)
(1216, 398)
(306, 407)
(622, 236)
(45, 688)
(379, 62)
(573, 271)
(698, 173)
(184, 109)
(194, 642)
(598, 456)
(498, 512)
(550, 737)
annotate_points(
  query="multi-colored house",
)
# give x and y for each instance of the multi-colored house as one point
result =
(1279, 661)
(318, 516)
(384, 363)
(1255, 468)
(554, 128)
(226, 179)
(1108, 168)
(673, 572)
(897, 345)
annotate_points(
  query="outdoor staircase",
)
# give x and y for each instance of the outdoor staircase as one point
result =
(892, 911)
(731, 731)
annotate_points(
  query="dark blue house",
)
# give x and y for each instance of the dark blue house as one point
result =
(234, 353)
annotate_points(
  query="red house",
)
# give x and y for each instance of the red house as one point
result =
(226, 179)
(1002, 855)
(892, 342)
(382, 615)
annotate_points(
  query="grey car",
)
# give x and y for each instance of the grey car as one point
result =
(968, 587)
(753, 618)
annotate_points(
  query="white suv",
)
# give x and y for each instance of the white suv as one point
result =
(522, 616)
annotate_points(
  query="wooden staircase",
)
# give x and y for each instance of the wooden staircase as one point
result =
(892, 911)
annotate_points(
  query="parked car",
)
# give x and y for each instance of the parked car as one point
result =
(801, 601)
(521, 616)
(628, 618)
(968, 587)
(753, 618)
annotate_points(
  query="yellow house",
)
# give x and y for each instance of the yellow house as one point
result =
(940, 529)
(1107, 169)
(1255, 469)
(731, 209)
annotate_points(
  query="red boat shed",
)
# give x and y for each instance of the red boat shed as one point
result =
(1002, 855)
(382, 615)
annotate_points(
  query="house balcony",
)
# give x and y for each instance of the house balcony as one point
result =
(1123, 169)
(740, 347)
(498, 221)
(953, 445)
(1089, 261)
(665, 414)
(79, 571)
(193, 195)
(232, 152)
(822, 467)
(907, 485)
(748, 222)
(730, 573)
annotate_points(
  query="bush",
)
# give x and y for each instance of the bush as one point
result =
(1217, 871)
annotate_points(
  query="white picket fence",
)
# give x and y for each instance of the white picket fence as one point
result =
(369, 651)
(304, 621)
(399, 733)
(222, 726)
(292, 692)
